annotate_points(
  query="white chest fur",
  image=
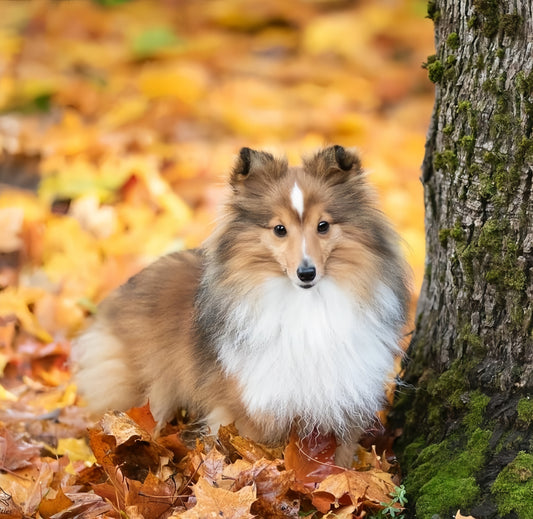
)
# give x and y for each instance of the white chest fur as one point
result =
(315, 354)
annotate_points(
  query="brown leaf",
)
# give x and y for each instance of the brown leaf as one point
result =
(239, 446)
(218, 502)
(122, 428)
(174, 444)
(212, 466)
(120, 442)
(153, 497)
(15, 451)
(312, 459)
(458, 515)
(371, 486)
(273, 485)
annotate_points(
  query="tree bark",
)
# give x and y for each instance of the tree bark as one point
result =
(467, 405)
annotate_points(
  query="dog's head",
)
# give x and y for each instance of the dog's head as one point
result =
(305, 222)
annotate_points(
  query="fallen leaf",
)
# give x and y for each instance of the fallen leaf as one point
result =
(118, 121)
(312, 459)
(142, 416)
(51, 506)
(355, 487)
(153, 498)
(218, 502)
(9, 509)
(272, 484)
(241, 446)
(15, 451)
(119, 441)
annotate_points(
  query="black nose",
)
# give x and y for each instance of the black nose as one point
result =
(306, 273)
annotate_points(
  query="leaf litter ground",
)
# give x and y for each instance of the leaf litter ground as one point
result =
(118, 121)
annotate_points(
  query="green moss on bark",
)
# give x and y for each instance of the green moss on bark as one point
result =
(433, 11)
(435, 70)
(499, 255)
(511, 24)
(487, 17)
(513, 487)
(445, 475)
(453, 41)
(525, 410)
(445, 160)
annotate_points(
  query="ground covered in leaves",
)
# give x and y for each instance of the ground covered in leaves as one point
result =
(118, 123)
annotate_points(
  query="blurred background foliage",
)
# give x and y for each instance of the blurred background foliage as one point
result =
(119, 121)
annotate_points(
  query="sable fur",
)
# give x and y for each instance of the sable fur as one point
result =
(231, 332)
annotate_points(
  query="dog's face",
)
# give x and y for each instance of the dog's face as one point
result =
(301, 233)
(304, 222)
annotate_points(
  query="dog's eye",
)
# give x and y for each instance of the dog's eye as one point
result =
(322, 227)
(280, 231)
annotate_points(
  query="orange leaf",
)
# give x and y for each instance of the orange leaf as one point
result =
(312, 459)
(60, 502)
(142, 416)
(373, 485)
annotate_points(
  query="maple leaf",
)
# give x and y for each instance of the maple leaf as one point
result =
(153, 497)
(272, 484)
(142, 416)
(218, 502)
(312, 459)
(350, 486)
(120, 442)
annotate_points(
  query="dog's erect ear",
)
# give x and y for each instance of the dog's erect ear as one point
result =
(251, 163)
(334, 162)
(345, 159)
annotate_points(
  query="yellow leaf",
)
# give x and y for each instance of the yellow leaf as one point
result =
(186, 82)
(68, 397)
(77, 450)
(15, 301)
(124, 111)
(4, 393)
(31, 206)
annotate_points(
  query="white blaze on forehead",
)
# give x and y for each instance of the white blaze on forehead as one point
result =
(297, 199)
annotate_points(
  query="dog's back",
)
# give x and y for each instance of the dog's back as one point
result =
(143, 339)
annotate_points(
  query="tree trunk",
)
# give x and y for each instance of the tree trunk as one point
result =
(467, 407)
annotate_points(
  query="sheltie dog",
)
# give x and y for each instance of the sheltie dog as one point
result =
(289, 315)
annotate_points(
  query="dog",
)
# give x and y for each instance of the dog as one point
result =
(289, 315)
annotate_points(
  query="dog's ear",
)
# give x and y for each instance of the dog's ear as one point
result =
(252, 164)
(334, 162)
